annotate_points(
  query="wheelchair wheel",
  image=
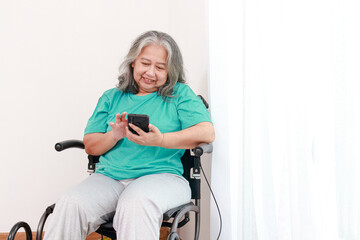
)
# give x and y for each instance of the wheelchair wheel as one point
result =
(16, 228)
(173, 236)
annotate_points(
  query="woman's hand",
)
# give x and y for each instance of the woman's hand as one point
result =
(99, 143)
(153, 138)
(119, 127)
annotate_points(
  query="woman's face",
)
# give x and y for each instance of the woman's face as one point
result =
(150, 69)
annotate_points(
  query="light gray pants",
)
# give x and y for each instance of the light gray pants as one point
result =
(136, 204)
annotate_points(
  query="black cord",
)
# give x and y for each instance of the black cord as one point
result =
(217, 205)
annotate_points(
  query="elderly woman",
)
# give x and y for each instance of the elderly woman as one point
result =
(139, 176)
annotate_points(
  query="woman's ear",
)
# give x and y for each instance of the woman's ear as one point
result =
(132, 64)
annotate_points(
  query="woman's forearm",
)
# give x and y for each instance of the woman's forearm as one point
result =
(99, 143)
(189, 138)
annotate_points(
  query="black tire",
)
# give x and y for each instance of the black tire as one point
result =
(16, 228)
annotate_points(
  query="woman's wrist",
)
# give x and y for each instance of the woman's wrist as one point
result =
(162, 142)
(116, 137)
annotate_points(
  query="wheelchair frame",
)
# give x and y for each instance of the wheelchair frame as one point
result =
(179, 215)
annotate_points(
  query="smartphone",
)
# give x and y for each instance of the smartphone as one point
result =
(139, 120)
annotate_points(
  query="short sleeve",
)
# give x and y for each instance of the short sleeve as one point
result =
(98, 120)
(191, 110)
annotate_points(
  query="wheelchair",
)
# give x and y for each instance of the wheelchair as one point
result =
(173, 219)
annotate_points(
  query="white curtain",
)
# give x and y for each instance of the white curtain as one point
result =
(285, 97)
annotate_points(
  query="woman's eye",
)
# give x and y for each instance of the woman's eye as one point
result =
(145, 64)
(160, 68)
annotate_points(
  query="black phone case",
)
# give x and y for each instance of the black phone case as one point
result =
(139, 120)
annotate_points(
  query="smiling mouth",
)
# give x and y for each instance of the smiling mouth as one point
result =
(146, 80)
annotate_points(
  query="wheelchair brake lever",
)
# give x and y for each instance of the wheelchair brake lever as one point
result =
(195, 171)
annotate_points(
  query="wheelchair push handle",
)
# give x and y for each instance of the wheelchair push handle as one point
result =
(202, 148)
(69, 144)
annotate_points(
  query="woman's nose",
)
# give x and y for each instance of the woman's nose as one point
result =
(151, 71)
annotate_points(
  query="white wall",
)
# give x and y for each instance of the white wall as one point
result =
(56, 59)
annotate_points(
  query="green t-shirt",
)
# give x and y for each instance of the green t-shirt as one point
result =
(129, 160)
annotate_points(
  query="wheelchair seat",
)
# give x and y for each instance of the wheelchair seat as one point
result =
(174, 218)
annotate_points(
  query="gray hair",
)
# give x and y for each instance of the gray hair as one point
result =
(174, 63)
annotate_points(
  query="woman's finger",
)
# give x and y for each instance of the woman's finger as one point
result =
(131, 136)
(128, 134)
(136, 129)
(123, 116)
(118, 118)
(153, 128)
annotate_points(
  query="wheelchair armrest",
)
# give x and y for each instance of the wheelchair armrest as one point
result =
(202, 148)
(69, 144)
